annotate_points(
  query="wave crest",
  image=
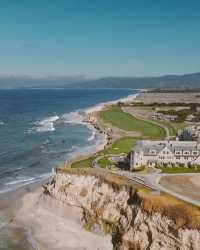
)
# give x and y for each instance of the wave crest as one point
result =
(92, 137)
(47, 124)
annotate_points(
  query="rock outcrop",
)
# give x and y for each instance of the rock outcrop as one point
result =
(121, 213)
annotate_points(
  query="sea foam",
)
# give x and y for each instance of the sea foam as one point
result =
(92, 137)
(47, 124)
(74, 117)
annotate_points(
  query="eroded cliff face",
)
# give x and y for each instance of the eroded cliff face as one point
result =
(119, 212)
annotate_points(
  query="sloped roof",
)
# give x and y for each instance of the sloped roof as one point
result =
(158, 146)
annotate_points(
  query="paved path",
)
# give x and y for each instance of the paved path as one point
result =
(152, 181)
(95, 161)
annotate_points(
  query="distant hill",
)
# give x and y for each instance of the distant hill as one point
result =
(167, 81)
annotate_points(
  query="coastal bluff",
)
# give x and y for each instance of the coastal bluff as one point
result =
(136, 218)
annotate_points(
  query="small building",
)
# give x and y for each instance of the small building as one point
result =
(161, 116)
(162, 153)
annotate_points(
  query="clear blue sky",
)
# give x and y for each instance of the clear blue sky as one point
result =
(99, 37)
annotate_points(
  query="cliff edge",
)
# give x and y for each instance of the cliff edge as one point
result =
(135, 217)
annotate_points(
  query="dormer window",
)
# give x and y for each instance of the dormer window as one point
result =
(186, 152)
(152, 152)
(195, 153)
(177, 152)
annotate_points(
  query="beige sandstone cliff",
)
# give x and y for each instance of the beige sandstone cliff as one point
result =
(135, 221)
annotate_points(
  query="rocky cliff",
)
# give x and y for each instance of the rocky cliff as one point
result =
(136, 218)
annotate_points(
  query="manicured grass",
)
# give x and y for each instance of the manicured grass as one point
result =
(127, 122)
(86, 163)
(178, 170)
(173, 126)
(104, 162)
(179, 125)
(123, 145)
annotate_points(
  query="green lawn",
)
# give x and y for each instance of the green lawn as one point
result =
(103, 162)
(178, 170)
(173, 126)
(123, 145)
(127, 122)
(87, 163)
(179, 125)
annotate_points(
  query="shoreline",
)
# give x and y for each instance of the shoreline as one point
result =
(12, 201)
(91, 120)
(85, 152)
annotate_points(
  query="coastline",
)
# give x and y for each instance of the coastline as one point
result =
(13, 201)
(91, 120)
(81, 117)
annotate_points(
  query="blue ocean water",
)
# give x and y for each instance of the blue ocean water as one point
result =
(42, 128)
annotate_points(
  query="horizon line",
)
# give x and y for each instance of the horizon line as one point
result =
(88, 77)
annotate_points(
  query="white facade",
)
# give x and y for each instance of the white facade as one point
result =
(150, 153)
(161, 116)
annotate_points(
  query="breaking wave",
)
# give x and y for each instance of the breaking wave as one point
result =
(47, 124)
(22, 181)
(92, 137)
(74, 117)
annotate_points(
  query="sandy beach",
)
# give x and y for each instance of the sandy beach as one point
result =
(63, 230)
(43, 223)
(35, 221)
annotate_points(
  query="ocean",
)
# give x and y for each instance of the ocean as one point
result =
(43, 128)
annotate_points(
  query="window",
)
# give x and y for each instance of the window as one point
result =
(195, 153)
(186, 152)
(177, 152)
(152, 152)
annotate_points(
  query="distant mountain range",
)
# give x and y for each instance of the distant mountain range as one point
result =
(167, 81)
